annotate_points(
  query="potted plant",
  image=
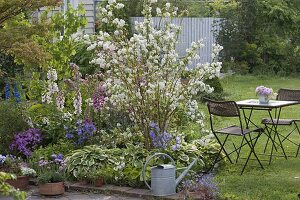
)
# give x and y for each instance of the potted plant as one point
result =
(96, 177)
(14, 165)
(50, 176)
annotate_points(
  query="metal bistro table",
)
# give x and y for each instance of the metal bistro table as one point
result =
(273, 105)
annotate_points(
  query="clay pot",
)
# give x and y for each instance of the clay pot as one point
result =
(99, 182)
(22, 182)
(51, 189)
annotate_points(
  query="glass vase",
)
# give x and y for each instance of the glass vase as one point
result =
(263, 99)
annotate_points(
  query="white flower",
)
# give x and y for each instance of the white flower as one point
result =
(45, 121)
(67, 115)
(26, 171)
(119, 6)
(77, 102)
(86, 37)
(117, 32)
(111, 1)
(91, 47)
(104, 20)
(29, 122)
(162, 85)
(158, 11)
(89, 102)
(109, 14)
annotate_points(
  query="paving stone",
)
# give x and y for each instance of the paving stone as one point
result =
(121, 188)
(107, 192)
(77, 196)
(5, 198)
(174, 197)
(138, 193)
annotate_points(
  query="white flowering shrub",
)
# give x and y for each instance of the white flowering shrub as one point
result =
(144, 72)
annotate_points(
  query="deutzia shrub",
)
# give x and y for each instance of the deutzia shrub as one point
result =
(144, 71)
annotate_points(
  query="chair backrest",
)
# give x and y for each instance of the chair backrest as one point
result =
(223, 108)
(288, 95)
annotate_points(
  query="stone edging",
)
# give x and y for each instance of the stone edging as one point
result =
(121, 190)
(125, 191)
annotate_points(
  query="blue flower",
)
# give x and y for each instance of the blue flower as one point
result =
(69, 135)
(2, 159)
(54, 156)
(177, 146)
(7, 91)
(17, 94)
(83, 131)
(159, 140)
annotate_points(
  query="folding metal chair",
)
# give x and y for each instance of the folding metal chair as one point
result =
(284, 95)
(230, 109)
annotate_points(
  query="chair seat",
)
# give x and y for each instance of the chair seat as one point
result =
(278, 121)
(236, 130)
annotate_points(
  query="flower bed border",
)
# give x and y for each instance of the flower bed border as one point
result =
(120, 190)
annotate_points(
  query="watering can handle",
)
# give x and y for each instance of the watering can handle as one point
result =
(150, 158)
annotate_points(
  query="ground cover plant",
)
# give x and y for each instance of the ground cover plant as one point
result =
(280, 180)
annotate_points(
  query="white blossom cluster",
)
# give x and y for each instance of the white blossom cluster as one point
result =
(144, 71)
(77, 103)
(52, 87)
(194, 113)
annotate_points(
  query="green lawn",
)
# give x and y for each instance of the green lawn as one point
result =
(281, 179)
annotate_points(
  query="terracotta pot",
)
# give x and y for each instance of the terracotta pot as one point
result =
(22, 182)
(99, 182)
(51, 189)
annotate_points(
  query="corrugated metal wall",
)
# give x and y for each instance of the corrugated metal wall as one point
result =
(193, 29)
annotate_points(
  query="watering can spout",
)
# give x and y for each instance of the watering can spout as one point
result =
(184, 173)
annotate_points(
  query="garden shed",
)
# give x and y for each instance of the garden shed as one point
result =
(89, 6)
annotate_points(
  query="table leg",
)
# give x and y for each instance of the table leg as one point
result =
(276, 134)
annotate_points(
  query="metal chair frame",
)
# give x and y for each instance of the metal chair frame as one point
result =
(230, 109)
(284, 95)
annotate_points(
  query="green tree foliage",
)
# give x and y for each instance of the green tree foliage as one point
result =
(60, 42)
(17, 29)
(261, 34)
(192, 8)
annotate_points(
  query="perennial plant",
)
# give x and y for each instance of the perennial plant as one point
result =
(26, 141)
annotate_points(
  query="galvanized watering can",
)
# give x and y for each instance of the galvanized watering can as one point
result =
(163, 177)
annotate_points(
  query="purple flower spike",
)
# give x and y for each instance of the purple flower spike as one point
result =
(99, 97)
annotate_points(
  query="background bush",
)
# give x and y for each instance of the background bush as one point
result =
(11, 122)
